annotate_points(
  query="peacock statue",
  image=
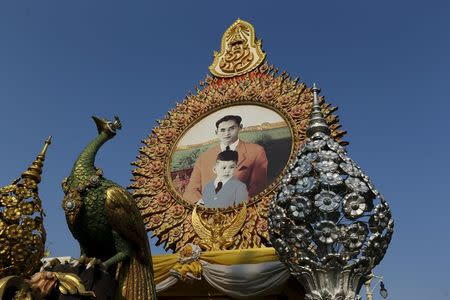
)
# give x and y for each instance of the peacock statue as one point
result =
(104, 219)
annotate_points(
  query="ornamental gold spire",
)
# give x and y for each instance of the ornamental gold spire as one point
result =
(35, 170)
(22, 234)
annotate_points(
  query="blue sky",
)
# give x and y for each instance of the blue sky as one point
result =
(385, 64)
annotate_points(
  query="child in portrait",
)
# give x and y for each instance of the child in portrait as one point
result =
(225, 190)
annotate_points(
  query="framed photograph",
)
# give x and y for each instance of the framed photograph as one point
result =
(261, 139)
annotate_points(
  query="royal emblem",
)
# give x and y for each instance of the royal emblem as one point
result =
(241, 51)
(214, 233)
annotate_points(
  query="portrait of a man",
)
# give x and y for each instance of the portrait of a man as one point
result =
(230, 156)
(251, 166)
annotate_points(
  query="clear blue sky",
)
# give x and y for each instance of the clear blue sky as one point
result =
(385, 64)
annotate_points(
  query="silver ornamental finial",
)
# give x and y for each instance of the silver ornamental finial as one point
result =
(328, 223)
(317, 122)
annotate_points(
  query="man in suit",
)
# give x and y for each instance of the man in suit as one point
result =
(251, 167)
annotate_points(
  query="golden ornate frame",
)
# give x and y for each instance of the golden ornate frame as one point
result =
(245, 79)
(165, 213)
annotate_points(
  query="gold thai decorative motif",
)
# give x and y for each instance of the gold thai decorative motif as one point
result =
(215, 232)
(240, 52)
(71, 284)
(188, 266)
(41, 284)
(17, 286)
(22, 234)
(165, 213)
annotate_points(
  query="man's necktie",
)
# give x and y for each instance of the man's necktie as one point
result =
(227, 148)
(219, 186)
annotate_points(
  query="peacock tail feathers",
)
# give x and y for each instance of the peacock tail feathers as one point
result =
(135, 280)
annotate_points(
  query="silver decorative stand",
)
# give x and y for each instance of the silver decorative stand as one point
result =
(328, 223)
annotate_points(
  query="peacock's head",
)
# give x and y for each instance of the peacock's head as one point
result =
(106, 126)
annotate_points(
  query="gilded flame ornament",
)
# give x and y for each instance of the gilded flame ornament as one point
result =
(22, 234)
(240, 53)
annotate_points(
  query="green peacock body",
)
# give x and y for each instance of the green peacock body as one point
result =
(104, 219)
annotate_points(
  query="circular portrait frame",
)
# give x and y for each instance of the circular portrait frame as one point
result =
(256, 132)
(174, 221)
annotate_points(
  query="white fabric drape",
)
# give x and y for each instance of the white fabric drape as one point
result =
(166, 283)
(247, 280)
(239, 281)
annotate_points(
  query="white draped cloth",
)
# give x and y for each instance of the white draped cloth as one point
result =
(239, 281)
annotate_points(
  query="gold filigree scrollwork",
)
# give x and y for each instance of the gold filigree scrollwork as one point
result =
(240, 51)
